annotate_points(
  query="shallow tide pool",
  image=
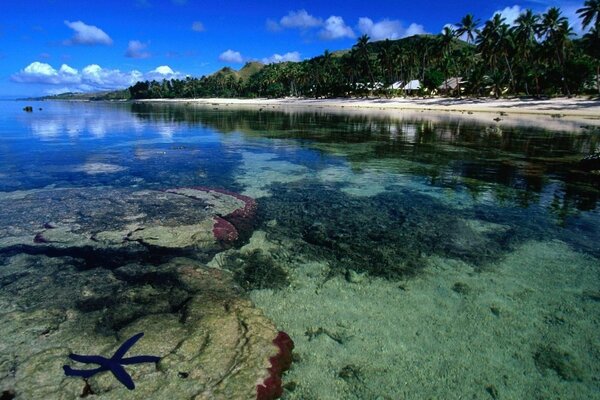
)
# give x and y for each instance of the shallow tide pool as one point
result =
(419, 257)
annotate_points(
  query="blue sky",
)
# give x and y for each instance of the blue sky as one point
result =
(51, 46)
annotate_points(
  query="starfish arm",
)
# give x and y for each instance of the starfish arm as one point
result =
(126, 346)
(88, 359)
(139, 360)
(84, 373)
(119, 372)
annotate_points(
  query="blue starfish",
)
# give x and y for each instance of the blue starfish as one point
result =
(113, 364)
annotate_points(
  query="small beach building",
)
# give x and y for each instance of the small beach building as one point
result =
(412, 86)
(451, 85)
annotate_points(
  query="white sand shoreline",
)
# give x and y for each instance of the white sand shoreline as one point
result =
(577, 106)
(574, 114)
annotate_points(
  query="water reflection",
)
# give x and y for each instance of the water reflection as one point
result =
(522, 166)
(490, 162)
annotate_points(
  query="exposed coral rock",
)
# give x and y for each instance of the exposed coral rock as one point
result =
(214, 344)
(124, 220)
(234, 207)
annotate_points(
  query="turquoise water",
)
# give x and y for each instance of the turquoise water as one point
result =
(453, 225)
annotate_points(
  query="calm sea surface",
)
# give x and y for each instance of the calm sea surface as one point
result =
(483, 234)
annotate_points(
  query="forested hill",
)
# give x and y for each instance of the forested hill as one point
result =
(535, 56)
(368, 65)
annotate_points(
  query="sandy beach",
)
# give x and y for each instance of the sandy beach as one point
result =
(565, 107)
(575, 114)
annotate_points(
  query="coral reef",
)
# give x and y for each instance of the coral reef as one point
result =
(213, 342)
(124, 221)
(271, 387)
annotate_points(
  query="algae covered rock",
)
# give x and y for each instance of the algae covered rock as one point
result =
(81, 270)
(213, 343)
(122, 220)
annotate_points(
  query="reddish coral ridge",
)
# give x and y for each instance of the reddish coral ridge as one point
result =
(223, 231)
(271, 388)
(246, 212)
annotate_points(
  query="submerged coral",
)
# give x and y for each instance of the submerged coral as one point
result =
(213, 342)
(386, 235)
(123, 221)
(256, 270)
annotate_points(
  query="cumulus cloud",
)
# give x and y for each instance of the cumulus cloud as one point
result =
(198, 26)
(231, 56)
(414, 29)
(136, 49)
(87, 34)
(387, 29)
(335, 28)
(300, 19)
(510, 14)
(277, 58)
(91, 78)
(38, 72)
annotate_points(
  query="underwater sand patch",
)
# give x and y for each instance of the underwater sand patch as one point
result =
(363, 183)
(450, 332)
(260, 170)
(94, 168)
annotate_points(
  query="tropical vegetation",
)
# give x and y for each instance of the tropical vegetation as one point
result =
(538, 55)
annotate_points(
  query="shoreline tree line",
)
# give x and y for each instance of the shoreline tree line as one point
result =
(538, 55)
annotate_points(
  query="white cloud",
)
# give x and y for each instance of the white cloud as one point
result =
(91, 78)
(387, 29)
(136, 49)
(198, 26)
(300, 19)
(336, 28)
(65, 70)
(38, 72)
(277, 58)
(414, 29)
(231, 56)
(104, 78)
(87, 34)
(510, 14)
(164, 70)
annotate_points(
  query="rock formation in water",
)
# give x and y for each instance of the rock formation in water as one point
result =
(85, 269)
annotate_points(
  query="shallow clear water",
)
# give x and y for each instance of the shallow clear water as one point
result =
(486, 231)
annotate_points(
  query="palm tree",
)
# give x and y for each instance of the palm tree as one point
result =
(591, 44)
(384, 57)
(524, 34)
(551, 22)
(468, 26)
(495, 43)
(446, 40)
(525, 29)
(590, 15)
(557, 31)
(363, 53)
